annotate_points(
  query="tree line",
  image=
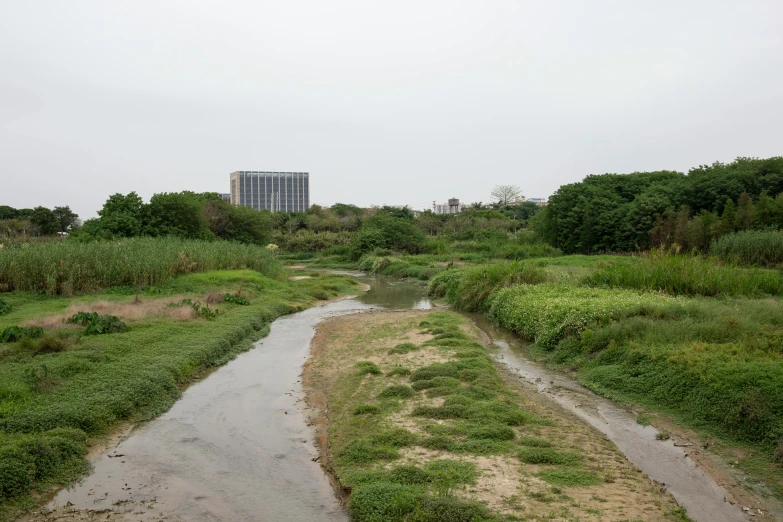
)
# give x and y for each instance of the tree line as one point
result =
(38, 221)
(631, 212)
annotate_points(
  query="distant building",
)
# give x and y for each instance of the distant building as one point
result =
(541, 202)
(225, 197)
(275, 191)
(453, 206)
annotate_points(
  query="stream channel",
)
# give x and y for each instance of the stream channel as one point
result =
(236, 446)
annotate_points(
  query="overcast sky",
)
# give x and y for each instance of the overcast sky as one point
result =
(401, 102)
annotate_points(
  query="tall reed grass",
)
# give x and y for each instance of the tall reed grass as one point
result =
(66, 268)
(687, 275)
(754, 247)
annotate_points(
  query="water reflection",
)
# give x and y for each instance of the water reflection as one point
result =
(393, 293)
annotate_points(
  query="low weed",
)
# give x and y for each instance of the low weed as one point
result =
(644, 419)
(201, 310)
(538, 455)
(368, 367)
(236, 299)
(399, 370)
(404, 348)
(399, 391)
(534, 442)
(366, 409)
(98, 324)
(569, 477)
(14, 334)
(5, 308)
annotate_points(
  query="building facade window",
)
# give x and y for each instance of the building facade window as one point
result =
(275, 191)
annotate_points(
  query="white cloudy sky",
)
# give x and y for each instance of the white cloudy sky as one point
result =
(399, 102)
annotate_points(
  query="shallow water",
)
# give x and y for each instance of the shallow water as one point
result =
(236, 446)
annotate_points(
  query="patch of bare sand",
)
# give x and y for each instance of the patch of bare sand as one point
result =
(506, 484)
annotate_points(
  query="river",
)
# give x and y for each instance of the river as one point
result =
(236, 446)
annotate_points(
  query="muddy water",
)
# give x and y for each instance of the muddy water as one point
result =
(670, 465)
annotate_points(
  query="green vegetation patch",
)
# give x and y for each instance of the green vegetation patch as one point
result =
(688, 275)
(399, 391)
(367, 368)
(365, 409)
(98, 324)
(14, 334)
(534, 442)
(543, 455)
(470, 288)
(750, 248)
(399, 370)
(549, 312)
(5, 308)
(569, 477)
(404, 348)
(71, 267)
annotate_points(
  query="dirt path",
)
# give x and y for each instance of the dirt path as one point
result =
(505, 484)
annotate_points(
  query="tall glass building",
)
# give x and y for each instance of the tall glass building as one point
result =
(275, 191)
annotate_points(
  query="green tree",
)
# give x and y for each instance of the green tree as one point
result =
(44, 221)
(180, 214)
(728, 218)
(745, 212)
(343, 210)
(764, 211)
(385, 231)
(248, 225)
(66, 218)
(122, 216)
(7, 212)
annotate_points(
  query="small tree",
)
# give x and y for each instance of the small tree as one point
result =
(506, 194)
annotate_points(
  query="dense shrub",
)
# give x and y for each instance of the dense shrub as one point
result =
(309, 241)
(385, 231)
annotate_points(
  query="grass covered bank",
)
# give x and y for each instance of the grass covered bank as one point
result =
(417, 424)
(62, 390)
(713, 364)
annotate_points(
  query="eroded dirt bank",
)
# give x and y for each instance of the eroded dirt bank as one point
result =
(548, 465)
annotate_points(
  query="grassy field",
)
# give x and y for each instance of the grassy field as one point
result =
(422, 426)
(61, 391)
